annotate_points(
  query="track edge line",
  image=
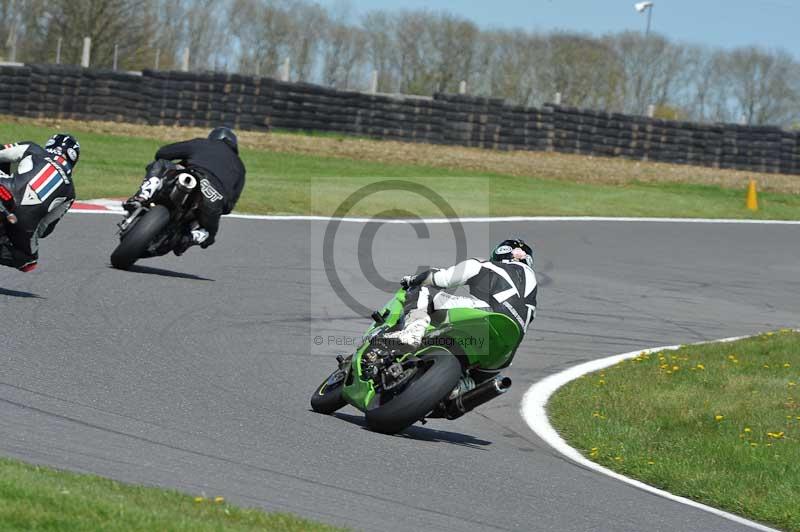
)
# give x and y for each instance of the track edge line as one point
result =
(533, 410)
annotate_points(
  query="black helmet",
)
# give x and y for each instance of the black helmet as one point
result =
(64, 145)
(505, 251)
(226, 135)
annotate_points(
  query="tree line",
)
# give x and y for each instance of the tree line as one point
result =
(413, 52)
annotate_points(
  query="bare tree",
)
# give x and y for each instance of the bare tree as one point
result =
(514, 63)
(584, 70)
(263, 31)
(763, 85)
(308, 23)
(126, 23)
(344, 50)
(382, 54)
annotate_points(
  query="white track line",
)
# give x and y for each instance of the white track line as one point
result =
(535, 414)
(488, 219)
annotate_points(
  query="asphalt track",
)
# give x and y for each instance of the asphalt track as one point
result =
(195, 373)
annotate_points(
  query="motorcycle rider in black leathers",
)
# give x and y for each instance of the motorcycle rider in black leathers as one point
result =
(220, 172)
(37, 195)
(505, 284)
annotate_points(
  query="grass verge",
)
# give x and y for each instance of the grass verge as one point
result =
(718, 423)
(39, 498)
(293, 174)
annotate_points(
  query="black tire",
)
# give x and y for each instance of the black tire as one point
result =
(135, 241)
(420, 396)
(328, 399)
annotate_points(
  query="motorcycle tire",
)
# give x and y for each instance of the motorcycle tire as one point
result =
(134, 243)
(327, 398)
(420, 396)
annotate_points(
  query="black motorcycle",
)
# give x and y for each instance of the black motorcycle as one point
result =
(159, 226)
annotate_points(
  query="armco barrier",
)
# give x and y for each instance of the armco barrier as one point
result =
(255, 103)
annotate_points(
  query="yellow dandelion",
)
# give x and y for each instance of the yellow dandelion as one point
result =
(619, 458)
(747, 429)
(601, 381)
(792, 383)
(199, 499)
(650, 462)
(787, 365)
(675, 368)
(219, 500)
(766, 366)
(775, 435)
(719, 417)
(753, 444)
(700, 366)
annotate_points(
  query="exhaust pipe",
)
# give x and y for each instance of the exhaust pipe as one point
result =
(187, 182)
(484, 392)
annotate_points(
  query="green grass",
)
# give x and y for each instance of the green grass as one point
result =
(38, 498)
(718, 423)
(281, 183)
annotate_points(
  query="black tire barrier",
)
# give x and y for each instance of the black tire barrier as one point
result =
(257, 103)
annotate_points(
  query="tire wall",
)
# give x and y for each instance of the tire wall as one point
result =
(254, 103)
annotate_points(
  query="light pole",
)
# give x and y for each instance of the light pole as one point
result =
(641, 7)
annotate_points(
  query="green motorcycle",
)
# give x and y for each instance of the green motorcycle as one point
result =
(396, 388)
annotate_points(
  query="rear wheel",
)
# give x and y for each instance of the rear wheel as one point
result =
(437, 377)
(134, 243)
(327, 398)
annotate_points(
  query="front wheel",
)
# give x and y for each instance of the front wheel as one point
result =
(431, 384)
(134, 243)
(327, 398)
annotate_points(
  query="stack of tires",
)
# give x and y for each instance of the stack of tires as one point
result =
(758, 149)
(15, 84)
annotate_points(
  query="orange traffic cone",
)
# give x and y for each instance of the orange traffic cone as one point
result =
(752, 196)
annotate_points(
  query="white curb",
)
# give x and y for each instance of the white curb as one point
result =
(535, 414)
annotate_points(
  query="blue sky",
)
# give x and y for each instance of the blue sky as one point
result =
(720, 23)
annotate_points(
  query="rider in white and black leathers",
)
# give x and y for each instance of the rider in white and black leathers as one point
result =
(38, 194)
(504, 284)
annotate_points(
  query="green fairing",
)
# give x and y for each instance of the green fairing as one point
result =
(487, 339)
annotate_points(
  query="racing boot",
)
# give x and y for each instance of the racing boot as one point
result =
(417, 322)
(149, 187)
(196, 237)
(133, 203)
(464, 385)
